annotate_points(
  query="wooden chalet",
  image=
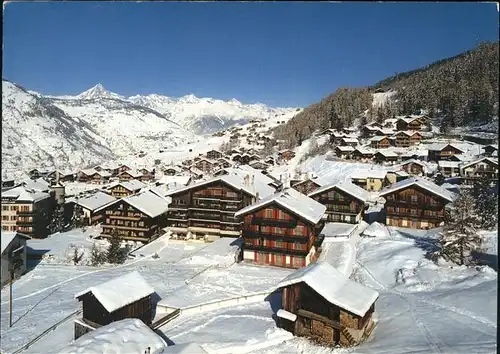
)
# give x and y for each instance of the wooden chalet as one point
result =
(269, 160)
(286, 155)
(370, 180)
(344, 201)
(320, 303)
(415, 203)
(308, 185)
(282, 229)
(362, 154)
(85, 175)
(126, 188)
(414, 167)
(484, 167)
(411, 123)
(369, 131)
(100, 177)
(129, 175)
(449, 168)
(349, 142)
(139, 217)
(128, 296)
(385, 156)
(195, 173)
(344, 152)
(8, 183)
(123, 168)
(380, 142)
(206, 209)
(205, 165)
(172, 170)
(490, 150)
(395, 175)
(13, 255)
(34, 174)
(224, 163)
(147, 174)
(61, 176)
(407, 138)
(336, 137)
(214, 155)
(258, 165)
(90, 206)
(442, 151)
(236, 158)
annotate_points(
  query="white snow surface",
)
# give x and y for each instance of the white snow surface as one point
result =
(126, 336)
(334, 286)
(119, 292)
(376, 229)
(186, 348)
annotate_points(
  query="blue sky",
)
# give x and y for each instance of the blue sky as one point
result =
(282, 54)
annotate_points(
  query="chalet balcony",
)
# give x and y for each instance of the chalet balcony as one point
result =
(204, 216)
(26, 213)
(178, 207)
(206, 206)
(24, 222)
(407, 203)
(419, 215)
(276, 237)
(342, 211)
(329, 200)
(276, 250)
(230, 207)
(274, 222)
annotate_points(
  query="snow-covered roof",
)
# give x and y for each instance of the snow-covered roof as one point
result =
(487, 159)
(338, 229)
(345, 148)
(365, 150)
(407, 132)
(494, 146)
(448, 164)
(422, 183)
(6, 237)
(418, 162)
(88, 171)
(21, 194)
(103, 173)
(409, 119)
(370, 127)
(318, 180)
(148, 202)
(293, 201)
(185, 348)
(175, 168)
(334, 287)
(121, 291)
(441, 146)
(133, 173)
(130, 335)
(131, 185)
(350, 140)
(368, 173)
(238, 182)
(347, 187)
(95, 201)
(387, 152)
(178, 180)
(378, 138)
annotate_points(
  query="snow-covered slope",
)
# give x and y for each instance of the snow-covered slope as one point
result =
(76, 132)
(207, 115)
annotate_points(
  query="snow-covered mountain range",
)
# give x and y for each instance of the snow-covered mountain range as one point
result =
(98, 125)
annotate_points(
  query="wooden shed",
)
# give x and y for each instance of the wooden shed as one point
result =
(323, 304)
(128, 296)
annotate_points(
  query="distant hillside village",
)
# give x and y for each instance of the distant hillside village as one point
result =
(409, 180)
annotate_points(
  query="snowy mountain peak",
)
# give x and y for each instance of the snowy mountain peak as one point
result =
(98, 91)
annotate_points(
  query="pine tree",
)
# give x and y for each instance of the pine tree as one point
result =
(115, 253)
(77, 219)
(97, 257)
(486, 202)
(459, 237)
(57, 223)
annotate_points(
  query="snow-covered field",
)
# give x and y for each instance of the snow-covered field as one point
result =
(423, 307)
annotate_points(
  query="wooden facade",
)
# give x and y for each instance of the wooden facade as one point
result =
(476, 170)
(214, 155)
(444, 153)
(286, 155)
(207, 210)
(341, 206)
(380, 157)
(381, 143)
(274, 235)
(95, 312)
(362, 155)
(204, 165)
(490, 150)
(130, 222)
(408, 123)
(322, 321)
(120, 191)
(413, 168)
(404, 139)
(414, 207)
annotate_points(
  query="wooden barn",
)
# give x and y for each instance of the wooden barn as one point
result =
(282, 229)
(128, 296)
(320, 303)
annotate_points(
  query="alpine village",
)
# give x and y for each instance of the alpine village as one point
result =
(302, 211)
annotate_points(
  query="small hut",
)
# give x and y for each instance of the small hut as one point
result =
(323, 304)
(128, 296)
